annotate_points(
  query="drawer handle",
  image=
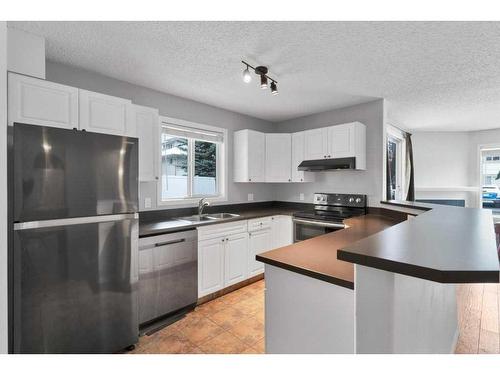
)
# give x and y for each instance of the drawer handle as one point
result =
(170, 242)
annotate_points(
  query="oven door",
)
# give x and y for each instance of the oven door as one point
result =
(304, 229)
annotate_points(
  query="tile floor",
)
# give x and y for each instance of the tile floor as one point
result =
(231, 324)
(234, 323)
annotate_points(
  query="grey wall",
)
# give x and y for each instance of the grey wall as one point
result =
(367, 182)
(171, 106)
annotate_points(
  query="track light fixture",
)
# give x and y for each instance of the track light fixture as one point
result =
(262, 72)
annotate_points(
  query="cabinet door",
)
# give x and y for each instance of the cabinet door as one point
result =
(106, 114)
(341, 141)
(278, 157)
(40, 102)
(315, 144)
(235, 259)
(256, 156)
(282, 231)
(210, 266)
(298, 142)
(258, 242)
(148, 132)
(148, 286)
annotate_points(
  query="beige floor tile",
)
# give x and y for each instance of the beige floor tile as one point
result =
(176, 343)
(260, 316)
(201, 330)
(229, 317)
(260, 346)
(250, 350)
(249, 331)
(235, 297)
(225, 343)
(211, 307)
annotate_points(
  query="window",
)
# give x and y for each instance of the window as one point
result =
(490, 178)
(192, 162)
(395, 163)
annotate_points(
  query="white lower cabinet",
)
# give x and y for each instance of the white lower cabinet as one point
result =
(258, 242)
(210, 266)
(282, 230)
(226, 252)
(235, 258)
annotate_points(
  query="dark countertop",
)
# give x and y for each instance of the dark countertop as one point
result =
(444, 244)
(246, 211)
(317, 257)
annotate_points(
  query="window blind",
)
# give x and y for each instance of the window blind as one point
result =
(188, 132)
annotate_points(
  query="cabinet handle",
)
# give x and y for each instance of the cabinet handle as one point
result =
(289, 180)
(329, 156)
(301, 179)
(223, 240)
(170, 242)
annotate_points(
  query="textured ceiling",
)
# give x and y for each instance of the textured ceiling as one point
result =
(434, 75)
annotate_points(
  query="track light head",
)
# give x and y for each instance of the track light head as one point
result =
(274, 88)
(246, 75)
(263, 82)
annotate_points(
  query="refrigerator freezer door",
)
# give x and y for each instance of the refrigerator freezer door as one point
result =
(61, 173)
(75, 286)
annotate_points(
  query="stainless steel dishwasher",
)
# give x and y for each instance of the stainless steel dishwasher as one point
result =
(168, 275)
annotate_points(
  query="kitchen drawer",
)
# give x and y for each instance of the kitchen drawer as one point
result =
(221, 230)
(259, 223)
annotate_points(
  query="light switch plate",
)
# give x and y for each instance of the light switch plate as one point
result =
(301, 196)
(250, 197)
(147, 202)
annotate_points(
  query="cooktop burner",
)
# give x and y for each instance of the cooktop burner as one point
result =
(335, 207)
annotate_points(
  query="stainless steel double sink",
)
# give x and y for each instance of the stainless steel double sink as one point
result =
(208, 217)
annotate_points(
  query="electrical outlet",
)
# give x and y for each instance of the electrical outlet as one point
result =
(301, 196)
(250, 197)
(147, 202)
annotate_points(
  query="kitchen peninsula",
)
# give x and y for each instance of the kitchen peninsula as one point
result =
(378, 286)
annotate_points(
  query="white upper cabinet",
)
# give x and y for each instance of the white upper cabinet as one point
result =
(298, 141)
(249, 156)
(278, 157)
(348, 140)
(316, 144)
(148, 131)
(39, 102)
(106, 114)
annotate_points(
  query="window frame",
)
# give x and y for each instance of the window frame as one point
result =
(221, 164)
(396, 135)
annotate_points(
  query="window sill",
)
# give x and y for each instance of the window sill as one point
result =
(189, 201)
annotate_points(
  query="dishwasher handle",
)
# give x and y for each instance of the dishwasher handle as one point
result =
(170, 242)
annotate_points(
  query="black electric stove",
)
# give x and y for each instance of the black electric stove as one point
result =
(330, 210)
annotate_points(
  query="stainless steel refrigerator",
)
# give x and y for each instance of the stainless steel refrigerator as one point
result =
(75, 241)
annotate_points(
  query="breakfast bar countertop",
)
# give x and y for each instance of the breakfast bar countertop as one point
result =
(317, 257)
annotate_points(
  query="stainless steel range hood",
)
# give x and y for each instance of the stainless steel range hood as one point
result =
(327, 164)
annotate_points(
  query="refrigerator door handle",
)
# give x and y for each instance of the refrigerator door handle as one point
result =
(73, 221)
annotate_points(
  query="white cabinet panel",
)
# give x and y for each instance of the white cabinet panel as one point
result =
(278, 157)
(148, 131)
(249, 156)
(210, 266)
(282, 230)
(235, 258)
(341, 141)
(298, 142)
(258, 242)
(315, 144)
(105, 114)
(39, 102)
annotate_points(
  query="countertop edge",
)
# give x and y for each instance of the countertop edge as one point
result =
(307, 272)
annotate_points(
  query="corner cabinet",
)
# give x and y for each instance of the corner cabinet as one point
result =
(148, 131)
(298, 156)
(39, 102)
(249, 156)
(106, 114)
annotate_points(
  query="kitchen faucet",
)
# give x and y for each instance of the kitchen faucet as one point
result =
(201, 205)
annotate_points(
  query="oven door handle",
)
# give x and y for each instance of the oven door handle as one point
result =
(319, 223)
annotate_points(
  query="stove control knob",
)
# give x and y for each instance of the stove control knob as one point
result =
(351, 200)
(358, 200)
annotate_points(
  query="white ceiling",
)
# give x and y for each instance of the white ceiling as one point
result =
(434, 75)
